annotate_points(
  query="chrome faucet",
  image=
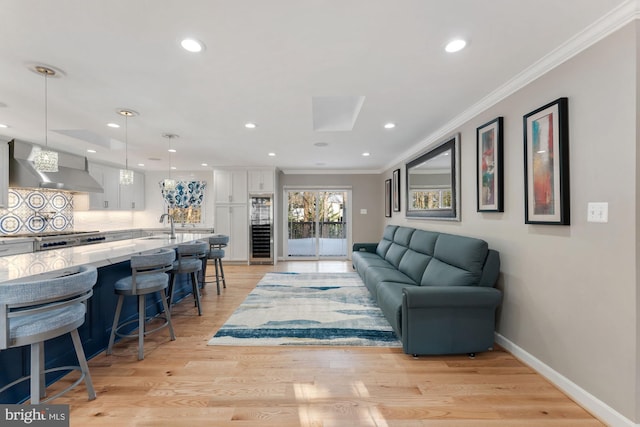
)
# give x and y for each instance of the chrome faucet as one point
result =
(173, 228)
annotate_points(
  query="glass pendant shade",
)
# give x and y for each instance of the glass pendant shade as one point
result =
(126, 177)
(46, 161)
(169, 184)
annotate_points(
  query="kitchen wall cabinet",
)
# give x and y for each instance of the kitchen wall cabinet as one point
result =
(4, 174)
(132, 196)
(232, 220)
(261, 181)
(230, 186)
(116, 196)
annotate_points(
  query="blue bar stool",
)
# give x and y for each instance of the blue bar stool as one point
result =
(216, 253)
(190, 256)
(33, 312)
(148, 276)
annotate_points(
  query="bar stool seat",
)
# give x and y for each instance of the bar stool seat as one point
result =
(148, 276)
(190, 256)
(216, 253)
(39, 310)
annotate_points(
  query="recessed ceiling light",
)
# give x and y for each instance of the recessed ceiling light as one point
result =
(171, 150)
(192, 45)
(173, 168)
(113, 125)
(140, 164)
(2, 125)
(365, 154)
(455, 45)
(250, 125)
(389, 125)
(89, 150)
(271, 154)
(203, 164)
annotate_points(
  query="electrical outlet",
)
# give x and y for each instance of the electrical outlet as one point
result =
(598, 212)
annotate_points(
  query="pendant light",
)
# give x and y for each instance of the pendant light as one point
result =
(45, 160)
(126, 175)
(170, 183)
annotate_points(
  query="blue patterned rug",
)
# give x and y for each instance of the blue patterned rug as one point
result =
(308, 309)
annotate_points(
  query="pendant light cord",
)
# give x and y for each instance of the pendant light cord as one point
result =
(126, 141)
(46, 126)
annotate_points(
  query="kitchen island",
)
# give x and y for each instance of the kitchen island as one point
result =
(113, 262)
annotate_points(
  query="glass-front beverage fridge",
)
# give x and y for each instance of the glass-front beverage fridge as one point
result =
(261, 232)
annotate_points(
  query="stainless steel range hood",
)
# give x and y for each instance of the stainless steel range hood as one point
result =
(72, 175)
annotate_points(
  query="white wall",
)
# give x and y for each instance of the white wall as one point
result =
(570, 292)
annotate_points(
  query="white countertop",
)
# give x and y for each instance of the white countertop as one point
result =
(15, 267)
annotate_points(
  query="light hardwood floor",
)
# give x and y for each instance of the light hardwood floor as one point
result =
(187, 383)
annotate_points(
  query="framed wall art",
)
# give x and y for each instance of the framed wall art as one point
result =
(396, 190)
(546, 164)
(387, 198)
(489, 168)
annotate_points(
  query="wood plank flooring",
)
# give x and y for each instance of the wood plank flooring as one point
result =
(187, 383)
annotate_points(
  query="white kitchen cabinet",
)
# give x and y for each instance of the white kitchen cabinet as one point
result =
(4, 174)
(109, 178)
(116, 196)
(132, 196)
(230, 186)
(261, 181)
(232, 220)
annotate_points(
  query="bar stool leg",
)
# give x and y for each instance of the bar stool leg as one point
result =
(115, 324)
(82, 360)
(224, 283)
(37, 373)
(167, 313)
(215, 262)
(196, 292)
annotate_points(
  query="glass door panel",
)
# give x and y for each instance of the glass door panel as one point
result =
(317, 225)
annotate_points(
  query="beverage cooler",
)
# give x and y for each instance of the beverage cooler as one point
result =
(261, 231)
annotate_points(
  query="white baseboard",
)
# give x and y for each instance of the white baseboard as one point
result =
(592, 404)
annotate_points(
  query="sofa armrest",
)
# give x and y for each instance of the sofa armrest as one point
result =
(365, 247)
(451, 296)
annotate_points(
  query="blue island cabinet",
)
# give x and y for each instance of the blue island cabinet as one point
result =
(94, 333)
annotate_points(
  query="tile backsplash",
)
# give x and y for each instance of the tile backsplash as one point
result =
(37, 211)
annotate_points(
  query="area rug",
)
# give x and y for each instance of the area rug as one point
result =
(308, 309)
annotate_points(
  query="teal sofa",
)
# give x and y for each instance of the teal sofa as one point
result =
(435, 289)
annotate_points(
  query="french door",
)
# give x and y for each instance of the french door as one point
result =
(317, 223)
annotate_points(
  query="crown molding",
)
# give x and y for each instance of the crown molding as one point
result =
(331, 171)
(608, 24)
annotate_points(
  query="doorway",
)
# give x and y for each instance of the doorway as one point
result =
(317, 224)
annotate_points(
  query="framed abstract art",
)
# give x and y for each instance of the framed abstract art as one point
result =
(546, 164)
(489, 168)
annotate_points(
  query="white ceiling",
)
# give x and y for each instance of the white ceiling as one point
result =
(264, 62)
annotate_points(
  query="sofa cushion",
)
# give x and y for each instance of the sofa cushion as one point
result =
(462, 252)
(395, 254)
(413, 264)
(403, 235)
(439, 273)
(383, 247)
(424, 241)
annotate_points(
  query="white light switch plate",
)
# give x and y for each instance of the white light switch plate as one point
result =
(363, 211)
(598, 212)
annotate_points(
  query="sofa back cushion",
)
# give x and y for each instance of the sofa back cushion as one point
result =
(436, 259)
(457, 261)
(387, 239)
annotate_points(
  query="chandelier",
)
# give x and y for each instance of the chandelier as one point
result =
(45, 160)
